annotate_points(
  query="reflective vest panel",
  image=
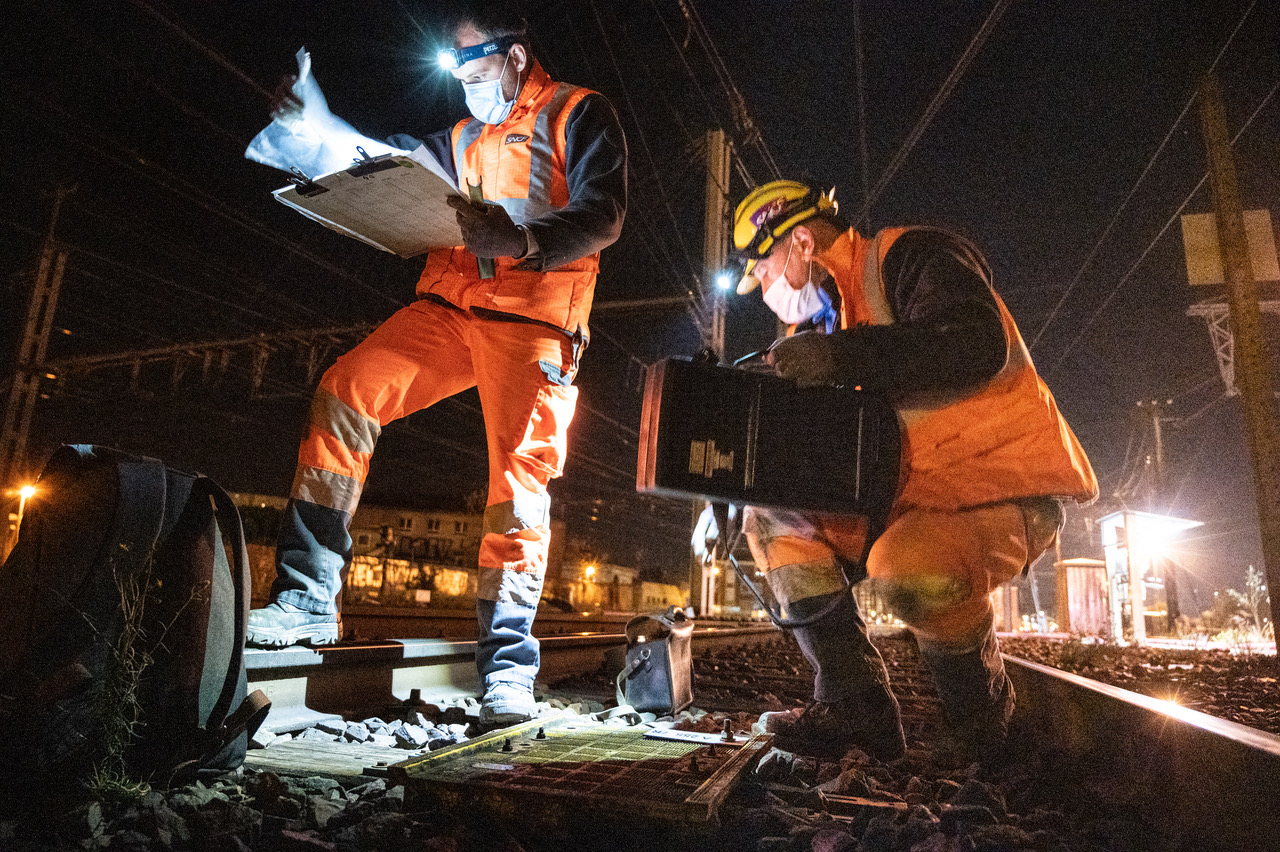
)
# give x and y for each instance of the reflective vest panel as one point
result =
(520, 164)
(1003, 441)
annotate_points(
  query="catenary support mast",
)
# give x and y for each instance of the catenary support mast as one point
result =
(1252, 363)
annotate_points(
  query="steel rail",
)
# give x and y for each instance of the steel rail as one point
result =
(1211, 782)
(365, 621)
(357, 680)
(1207, 780)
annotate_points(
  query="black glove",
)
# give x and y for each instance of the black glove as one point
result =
(487, 230)
(808, 359)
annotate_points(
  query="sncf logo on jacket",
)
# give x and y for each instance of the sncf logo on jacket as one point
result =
(515, 137)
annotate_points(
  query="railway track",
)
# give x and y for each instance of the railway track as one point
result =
(360, 679)
(1193, 781)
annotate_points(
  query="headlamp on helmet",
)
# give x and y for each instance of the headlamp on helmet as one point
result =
(452, 58)
(767, 214)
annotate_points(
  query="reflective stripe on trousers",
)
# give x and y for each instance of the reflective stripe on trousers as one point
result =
(422, 354)
(937, 569)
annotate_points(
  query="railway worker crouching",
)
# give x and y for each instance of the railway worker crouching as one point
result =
(987, 461)
(552, 159)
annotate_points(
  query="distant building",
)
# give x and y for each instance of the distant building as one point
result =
(409, 557)
(659, 596)
(595, 586)
(400, 557)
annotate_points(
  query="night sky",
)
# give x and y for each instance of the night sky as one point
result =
(1066, 150)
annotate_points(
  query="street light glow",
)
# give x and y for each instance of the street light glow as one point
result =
(724, 281)
(26, 492)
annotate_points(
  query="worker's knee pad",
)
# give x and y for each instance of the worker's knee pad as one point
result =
(933, 603)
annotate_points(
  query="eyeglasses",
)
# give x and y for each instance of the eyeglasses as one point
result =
(451, 58)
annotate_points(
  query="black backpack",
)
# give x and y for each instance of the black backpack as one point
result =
(122, 625)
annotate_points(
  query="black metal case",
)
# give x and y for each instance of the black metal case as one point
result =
(730, 435)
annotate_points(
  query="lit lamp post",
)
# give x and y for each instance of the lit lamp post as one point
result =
(1131, 541)
(588, 577)
(25, 493)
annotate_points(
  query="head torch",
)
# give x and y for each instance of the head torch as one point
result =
(453, 58)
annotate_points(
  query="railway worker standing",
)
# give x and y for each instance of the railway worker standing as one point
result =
(987, 462)
(552, 158)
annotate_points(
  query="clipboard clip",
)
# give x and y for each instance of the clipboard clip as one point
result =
(366, 165)
(306, 186)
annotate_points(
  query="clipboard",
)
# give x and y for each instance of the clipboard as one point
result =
(393, 202)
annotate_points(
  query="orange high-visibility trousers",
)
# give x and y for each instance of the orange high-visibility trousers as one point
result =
(938, 569)
(420, 355)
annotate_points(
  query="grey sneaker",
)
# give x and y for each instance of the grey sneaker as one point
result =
(507, 704)
(278, 625)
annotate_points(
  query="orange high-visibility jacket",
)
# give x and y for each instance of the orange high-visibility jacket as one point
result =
(522, 164)
(1003, 441)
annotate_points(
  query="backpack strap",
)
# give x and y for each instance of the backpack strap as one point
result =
(633, 665)
(225, 725)
(248, 717)
(228, 518)
(140, 508)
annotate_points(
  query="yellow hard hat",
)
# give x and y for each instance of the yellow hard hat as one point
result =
(767, 214)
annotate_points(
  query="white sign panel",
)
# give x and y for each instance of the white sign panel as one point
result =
(1204, 260)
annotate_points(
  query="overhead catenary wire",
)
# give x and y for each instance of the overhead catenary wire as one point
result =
(201, 265)
(939, 98)
(653, 242)
(688, 69)
(202, 48)
(746, 124)
(1031, 346)
(165, 178)
(200, 260)
(1124, 279)
(644, 144)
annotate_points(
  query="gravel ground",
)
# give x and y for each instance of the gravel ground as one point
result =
(927, 801)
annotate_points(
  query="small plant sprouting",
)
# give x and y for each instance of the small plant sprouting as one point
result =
(119, 709)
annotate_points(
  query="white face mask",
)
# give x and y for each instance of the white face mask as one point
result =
(791, 305)
(484, 99)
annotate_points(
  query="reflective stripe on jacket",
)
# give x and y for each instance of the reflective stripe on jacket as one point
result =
(522, 164)
(1003, 441)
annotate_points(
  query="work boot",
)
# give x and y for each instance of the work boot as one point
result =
(976, 693)
(278, 625)
(822, 729)
(507, 704)
(853, 705)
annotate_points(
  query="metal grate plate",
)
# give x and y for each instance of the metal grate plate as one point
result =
(564, 762)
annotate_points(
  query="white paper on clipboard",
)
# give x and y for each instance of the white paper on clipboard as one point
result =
(389, 198)
(395, 202)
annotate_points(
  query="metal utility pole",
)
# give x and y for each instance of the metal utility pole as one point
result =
(1253, 365)
(1156, 505)
(1062, 589)
(715, 248)
(716, 233)
(1137, 590)
(31, 353)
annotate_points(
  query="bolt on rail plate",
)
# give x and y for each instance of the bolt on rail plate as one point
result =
(559, 766)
